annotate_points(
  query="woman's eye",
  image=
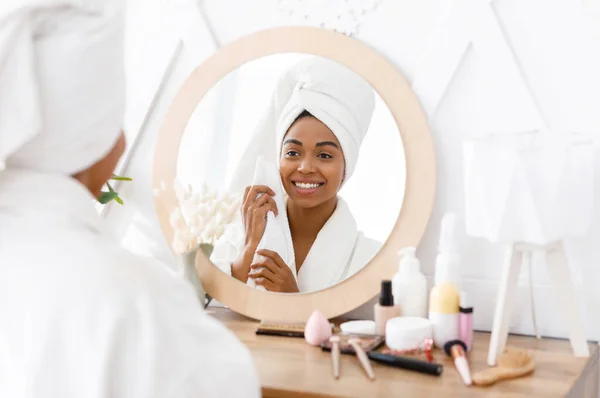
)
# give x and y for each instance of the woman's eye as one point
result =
(292, 153)
(325, 156)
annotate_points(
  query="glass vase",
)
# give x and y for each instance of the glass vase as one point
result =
(188, 264)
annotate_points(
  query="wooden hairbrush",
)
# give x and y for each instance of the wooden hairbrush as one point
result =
(512, 364)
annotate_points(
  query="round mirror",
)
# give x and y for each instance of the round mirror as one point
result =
(304, 160)
(351, 197)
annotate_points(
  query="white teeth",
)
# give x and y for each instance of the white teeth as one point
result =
(303, 185)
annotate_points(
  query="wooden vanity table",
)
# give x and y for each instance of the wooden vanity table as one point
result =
(289, 367)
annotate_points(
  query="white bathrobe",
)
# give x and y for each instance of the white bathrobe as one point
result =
(82, 317)
(339, 251)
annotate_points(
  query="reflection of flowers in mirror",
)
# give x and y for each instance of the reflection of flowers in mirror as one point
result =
(201, 216)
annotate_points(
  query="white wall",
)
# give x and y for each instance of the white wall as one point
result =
(556, 48)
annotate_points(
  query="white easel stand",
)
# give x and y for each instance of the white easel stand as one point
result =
(558, 268)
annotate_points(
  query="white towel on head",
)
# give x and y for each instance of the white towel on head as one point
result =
(277, 236)
(62, 82)
(331, 92)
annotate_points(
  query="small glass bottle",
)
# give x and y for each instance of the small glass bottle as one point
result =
(385, 308)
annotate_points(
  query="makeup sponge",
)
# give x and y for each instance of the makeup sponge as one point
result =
(317, 329)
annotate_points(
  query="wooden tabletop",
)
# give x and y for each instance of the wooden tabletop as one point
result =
(289, 367)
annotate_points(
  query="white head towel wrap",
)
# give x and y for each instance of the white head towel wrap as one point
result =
(332, 93)
(62, 82)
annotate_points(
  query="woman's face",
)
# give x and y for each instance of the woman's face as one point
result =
(311, 163)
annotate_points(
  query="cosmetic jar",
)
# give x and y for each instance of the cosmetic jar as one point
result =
(405, 333)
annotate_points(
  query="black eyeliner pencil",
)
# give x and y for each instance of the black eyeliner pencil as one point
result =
(283, 333)
(435, 369)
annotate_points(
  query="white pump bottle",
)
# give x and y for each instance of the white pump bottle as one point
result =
(409, 285)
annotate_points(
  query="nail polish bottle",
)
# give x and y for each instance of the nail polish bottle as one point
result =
(385, 308)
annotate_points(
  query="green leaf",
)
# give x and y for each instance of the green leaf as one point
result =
(106, 197)
(110, 188)
(119, 178)
(119, 200)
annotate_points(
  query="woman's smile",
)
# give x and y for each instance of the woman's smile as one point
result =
(306, 186)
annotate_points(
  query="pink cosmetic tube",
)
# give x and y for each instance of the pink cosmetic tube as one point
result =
(465, 320)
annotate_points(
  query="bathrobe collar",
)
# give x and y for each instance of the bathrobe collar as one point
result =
(54, 198)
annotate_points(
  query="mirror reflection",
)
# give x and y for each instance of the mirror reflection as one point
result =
(301, 165)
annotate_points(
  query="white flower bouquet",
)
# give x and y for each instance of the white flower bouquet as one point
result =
(201, 217)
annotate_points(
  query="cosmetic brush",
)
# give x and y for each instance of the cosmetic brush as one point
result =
(456, 349)
(335, 355)
(362, 357)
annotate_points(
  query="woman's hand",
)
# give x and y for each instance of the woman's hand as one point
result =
(254, 213)
(273, 273)
(254, 217)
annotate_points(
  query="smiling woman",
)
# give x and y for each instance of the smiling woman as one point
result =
(312, 168)
(317, 117)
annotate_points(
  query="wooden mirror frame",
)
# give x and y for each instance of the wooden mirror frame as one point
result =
(420, 169)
